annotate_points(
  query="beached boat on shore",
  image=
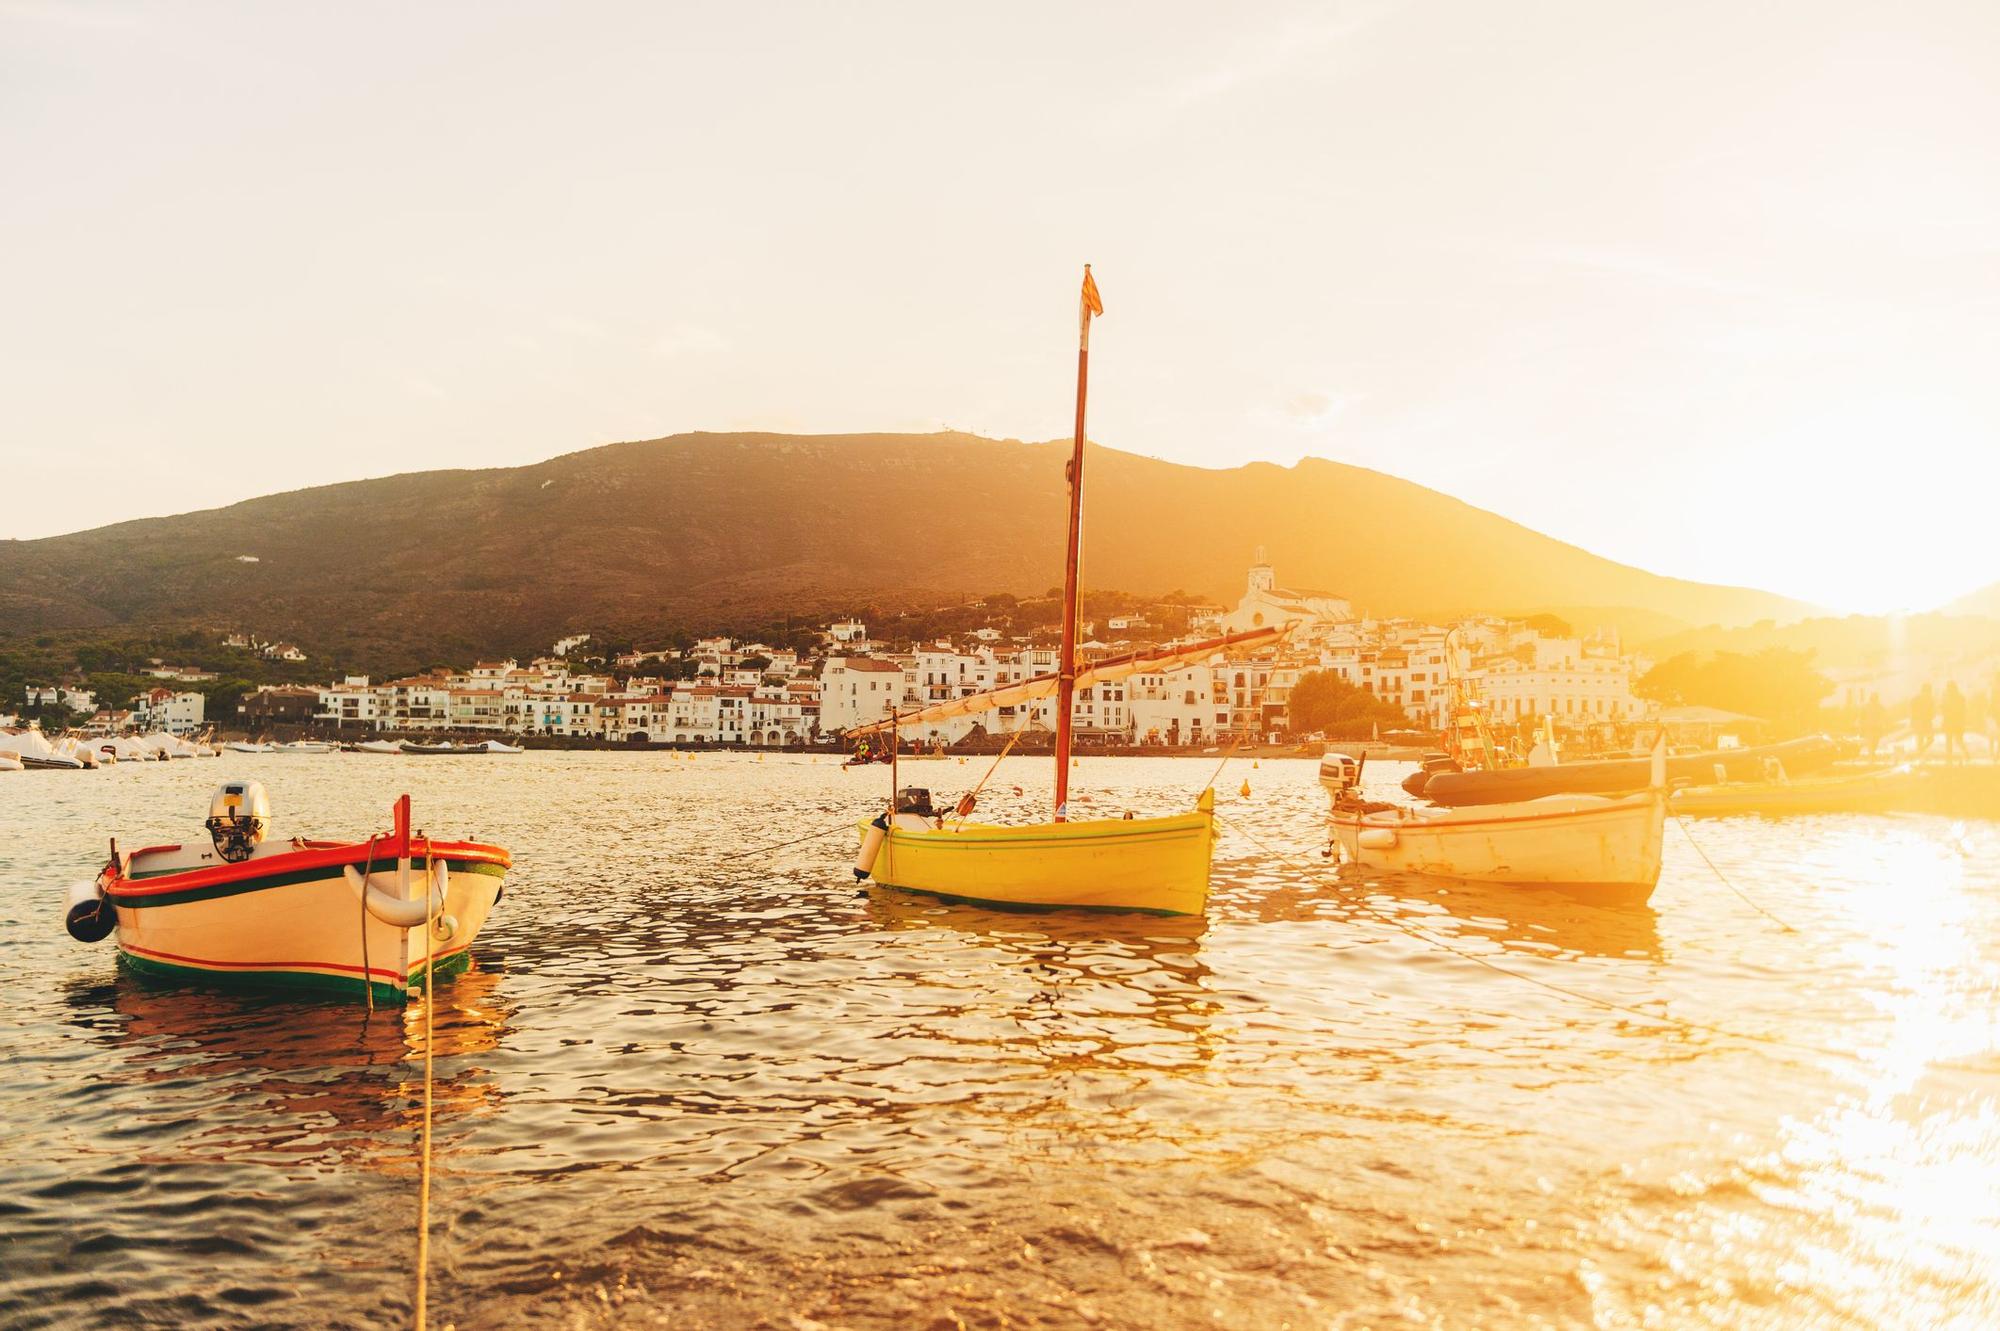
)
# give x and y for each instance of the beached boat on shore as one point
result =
(329, 916)
(33, 751)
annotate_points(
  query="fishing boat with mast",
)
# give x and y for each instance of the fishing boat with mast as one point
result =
(1157, 864)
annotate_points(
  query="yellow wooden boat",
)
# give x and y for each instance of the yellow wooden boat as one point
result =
(1148, 864)
(1133, 864)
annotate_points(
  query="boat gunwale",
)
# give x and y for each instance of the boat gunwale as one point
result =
(119, 882)
(1623, 806)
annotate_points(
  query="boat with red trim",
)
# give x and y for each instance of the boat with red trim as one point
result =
(341, 917)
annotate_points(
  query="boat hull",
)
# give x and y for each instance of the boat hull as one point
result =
(1868, 792)
(1157, 865)
(296, 920)
(1608, 848)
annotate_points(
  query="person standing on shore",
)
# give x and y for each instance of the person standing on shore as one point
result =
(1923, 719)
(1952, 711)
(1874, 722)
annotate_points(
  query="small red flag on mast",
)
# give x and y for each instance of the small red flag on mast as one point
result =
(1091, 300)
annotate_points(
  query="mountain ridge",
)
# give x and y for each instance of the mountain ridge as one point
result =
(727, 527)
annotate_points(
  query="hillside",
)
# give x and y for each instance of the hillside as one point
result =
(707, 529)
(1985, 601)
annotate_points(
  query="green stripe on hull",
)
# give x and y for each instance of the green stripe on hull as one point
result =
(1032, 907)
(303, 983)
(247, 885)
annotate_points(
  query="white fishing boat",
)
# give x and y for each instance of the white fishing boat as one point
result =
(1158, 864)
(1604, 846)
(492, 746)
(335, 916)
(246, 746)
(298, 746)
(379, 746)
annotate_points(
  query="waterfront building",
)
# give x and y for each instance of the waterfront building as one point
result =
(279, 704)
(164, 709)
(1556, 677)
(855, 690)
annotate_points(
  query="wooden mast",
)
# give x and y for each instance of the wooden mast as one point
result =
(1066, 662)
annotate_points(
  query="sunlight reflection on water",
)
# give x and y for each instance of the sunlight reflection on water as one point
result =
(718, 1090)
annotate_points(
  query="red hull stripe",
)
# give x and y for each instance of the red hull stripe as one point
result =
(282, 965)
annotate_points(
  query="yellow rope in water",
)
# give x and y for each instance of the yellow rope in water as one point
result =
(424, 1176)
(1224, 763)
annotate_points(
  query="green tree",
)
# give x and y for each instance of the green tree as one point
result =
(1778, 684)
(1325, 702)
(1550, 626)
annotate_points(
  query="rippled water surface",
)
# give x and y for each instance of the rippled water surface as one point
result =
(692, 1086)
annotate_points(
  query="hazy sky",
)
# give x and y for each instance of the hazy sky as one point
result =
(1710, 288)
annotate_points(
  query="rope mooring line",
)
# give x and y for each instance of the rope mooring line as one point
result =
(424, 1176)
(1612, 1005)
(1723, 878)
(845, 824)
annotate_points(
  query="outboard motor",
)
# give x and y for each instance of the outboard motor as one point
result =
(1341, 772)
(239, 815)
(912, 802)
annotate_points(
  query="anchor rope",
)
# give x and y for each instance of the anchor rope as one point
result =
(1224, 763)
(424, 1177)
(1431, 940)
(1723, 878)
(843, 825)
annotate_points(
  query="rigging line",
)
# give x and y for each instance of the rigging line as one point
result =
(1724, 878)
(974, 793)
(1659, 1018)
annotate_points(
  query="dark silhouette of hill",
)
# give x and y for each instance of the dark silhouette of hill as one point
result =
(704, 529)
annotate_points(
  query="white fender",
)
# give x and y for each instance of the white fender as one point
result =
(1376, 838)
(85, 915)
(400, 912)
(871, 846)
